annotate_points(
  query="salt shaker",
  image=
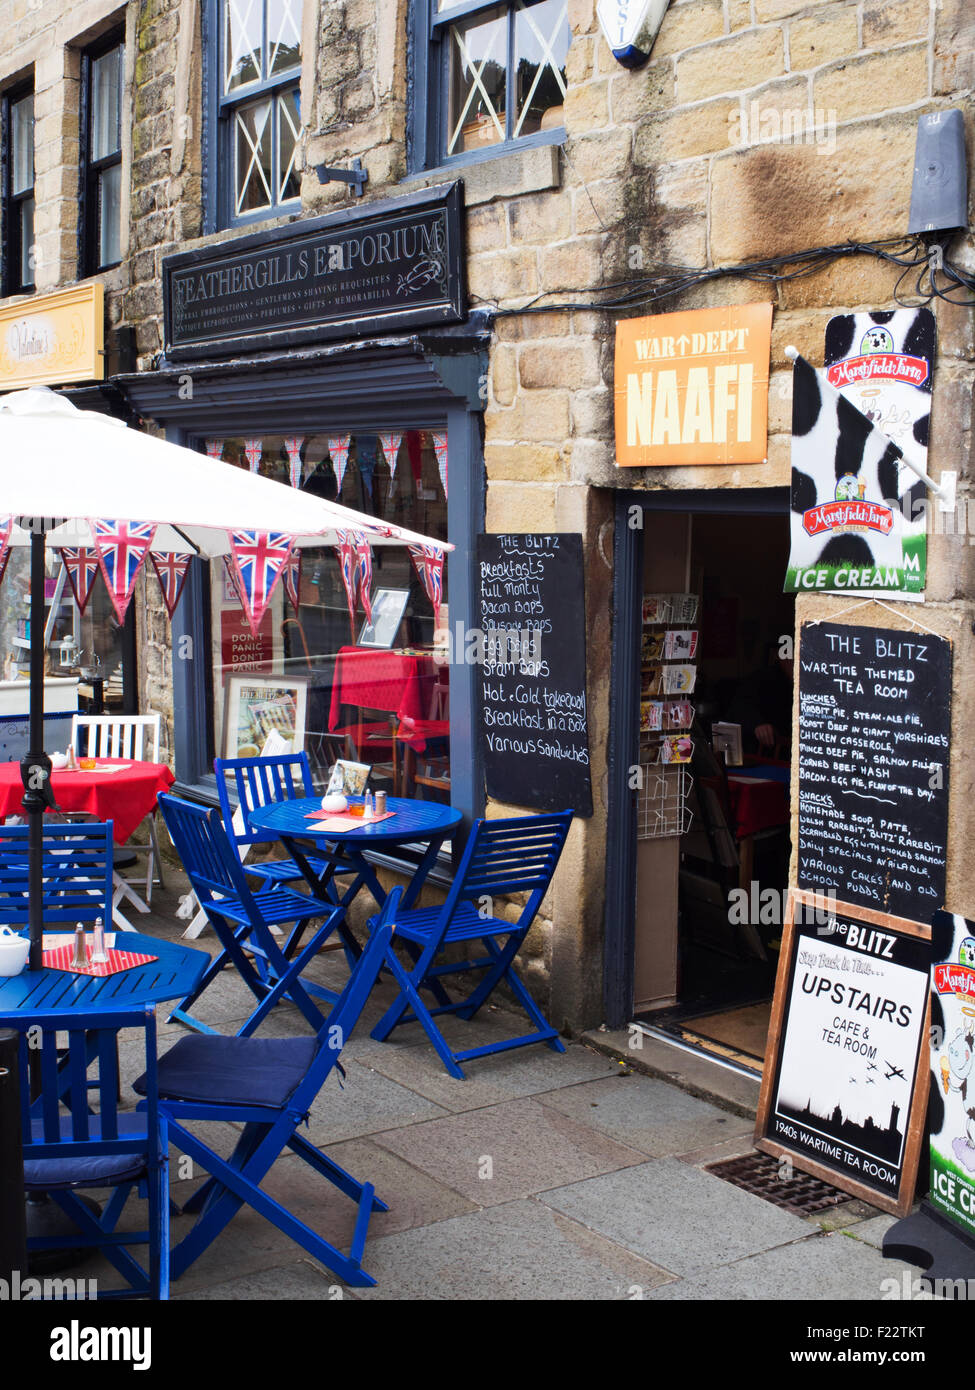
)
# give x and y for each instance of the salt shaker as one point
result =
(99, 955)
(80, 958)
(369, 810)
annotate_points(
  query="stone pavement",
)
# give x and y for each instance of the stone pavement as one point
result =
(542, 1176)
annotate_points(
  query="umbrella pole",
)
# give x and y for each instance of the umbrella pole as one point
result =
(35, 768)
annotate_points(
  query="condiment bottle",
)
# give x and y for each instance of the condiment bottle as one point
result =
(71, 763)
(80, 958)
(98, 953)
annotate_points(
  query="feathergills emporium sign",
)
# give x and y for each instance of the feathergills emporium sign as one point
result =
(388, 266)
(693, 387)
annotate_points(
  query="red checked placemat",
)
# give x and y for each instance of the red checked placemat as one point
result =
(61, 957)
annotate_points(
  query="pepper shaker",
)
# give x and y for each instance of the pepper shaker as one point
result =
(80, 958)
(380, 804)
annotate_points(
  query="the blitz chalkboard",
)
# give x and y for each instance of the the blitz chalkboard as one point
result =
(533, 722)
(844, 1086)
(874, 728)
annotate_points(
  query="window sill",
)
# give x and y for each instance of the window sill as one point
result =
(504, 173)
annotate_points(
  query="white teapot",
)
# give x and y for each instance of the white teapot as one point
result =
(14, 950)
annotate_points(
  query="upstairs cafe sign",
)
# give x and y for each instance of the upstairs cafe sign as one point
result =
(387, 266)
(693, 387)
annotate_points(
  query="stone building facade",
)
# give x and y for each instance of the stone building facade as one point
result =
(757, 129)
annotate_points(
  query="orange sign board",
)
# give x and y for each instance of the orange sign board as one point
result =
(692, 387)
(54, 338)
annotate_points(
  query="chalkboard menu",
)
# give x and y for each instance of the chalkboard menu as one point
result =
(842, 1090)
(533, 720)
(874, 726)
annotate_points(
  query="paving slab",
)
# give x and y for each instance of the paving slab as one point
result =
(363, 1102)
(873, 1229)
(507, 1151)
(695, 1074)
(491, 1080)
(519, 1250)
(413, 1197)
(648, 1115)
(822, 1268)
(676, 1216)
(301, 1279)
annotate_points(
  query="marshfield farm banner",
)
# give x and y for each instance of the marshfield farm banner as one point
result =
(858, 512)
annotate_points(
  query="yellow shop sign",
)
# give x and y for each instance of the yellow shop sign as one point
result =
(53, 339)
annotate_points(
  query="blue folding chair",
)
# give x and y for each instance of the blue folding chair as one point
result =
(502, 857)
(77, 873)
(268, 1085)
(67, 1146)
(262, 782)
(242, 920)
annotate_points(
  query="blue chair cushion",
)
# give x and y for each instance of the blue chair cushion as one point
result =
(233, 1071)
(95, 1170)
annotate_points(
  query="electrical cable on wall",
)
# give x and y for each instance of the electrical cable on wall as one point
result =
(914, 253)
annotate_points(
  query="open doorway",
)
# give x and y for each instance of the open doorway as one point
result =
(710, 900)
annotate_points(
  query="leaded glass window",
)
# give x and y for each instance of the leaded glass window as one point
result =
(259, 107)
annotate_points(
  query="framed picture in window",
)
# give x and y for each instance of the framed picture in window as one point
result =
(388, 607)
(257, 707)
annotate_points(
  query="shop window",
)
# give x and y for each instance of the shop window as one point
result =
(101, 155)
(88, 647)
(254, 49)
(488, 75)
(357, 687)
(17, 117)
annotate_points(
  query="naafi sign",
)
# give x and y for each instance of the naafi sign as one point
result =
(693, 387)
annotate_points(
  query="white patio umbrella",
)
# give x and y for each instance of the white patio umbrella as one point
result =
(61, 468)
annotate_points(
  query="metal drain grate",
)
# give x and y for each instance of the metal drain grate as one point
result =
(767, 1177)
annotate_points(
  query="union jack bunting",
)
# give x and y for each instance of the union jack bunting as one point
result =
(122, 547)
(347, 551)
(253, 448)
(215, 448)
(363, 569)
(232, 579)
(338, 450)
(390, 445)
(171, 573)
(293, 447)
(258, 560)
(81, 566)
(440, 449)
(291, 579)
(428, 562)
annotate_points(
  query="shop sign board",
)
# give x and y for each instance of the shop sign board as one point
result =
(858, 511)
(533, 717)
(845, 1083)
(692, 387)
(53, 339)
(874, 743)
(952, 1105)
(388, 266)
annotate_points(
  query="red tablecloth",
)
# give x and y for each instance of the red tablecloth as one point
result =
(757, 804)
(125, 797)
(377, 679)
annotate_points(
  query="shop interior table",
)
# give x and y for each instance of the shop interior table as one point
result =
(124, 796)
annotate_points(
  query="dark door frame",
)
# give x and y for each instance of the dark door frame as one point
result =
(624, 717)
